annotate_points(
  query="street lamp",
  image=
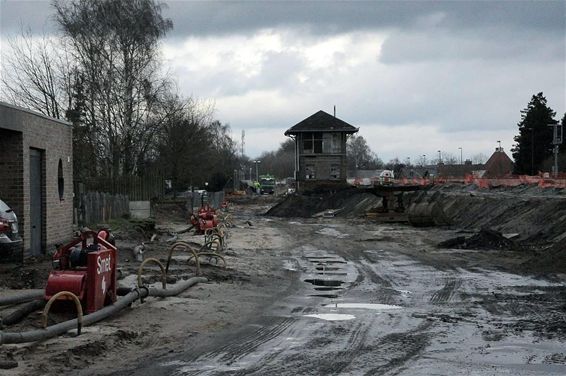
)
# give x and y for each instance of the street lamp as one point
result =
(257, 170)
(461, 162)
(424, 159)
(557, 139)
(439, 157)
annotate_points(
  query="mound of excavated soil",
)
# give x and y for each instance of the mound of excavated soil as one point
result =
(346, 203)
(536, 216)
(484, 239)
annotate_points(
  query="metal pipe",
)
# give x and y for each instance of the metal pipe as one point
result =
(61, 328)
(77, 305)
(22, 298)
(163, 273)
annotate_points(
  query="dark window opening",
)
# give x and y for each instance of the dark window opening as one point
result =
(312, 143)
(61, 181)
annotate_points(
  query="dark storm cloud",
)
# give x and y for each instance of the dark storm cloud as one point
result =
(209, 18)
(219, 18)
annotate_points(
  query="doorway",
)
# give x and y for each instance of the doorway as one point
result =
(36, 184)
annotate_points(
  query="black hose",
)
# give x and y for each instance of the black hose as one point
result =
(20, 313)
(22, 298)
(63, 327)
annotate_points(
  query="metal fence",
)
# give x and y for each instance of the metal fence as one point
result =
(196, 199)
(137, 188)
(98, 207)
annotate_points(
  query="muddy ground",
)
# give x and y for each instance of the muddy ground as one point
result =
(327, 296)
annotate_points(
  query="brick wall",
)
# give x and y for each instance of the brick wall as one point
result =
(54, 139)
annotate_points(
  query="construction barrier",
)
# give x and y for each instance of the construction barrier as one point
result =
(543, 181)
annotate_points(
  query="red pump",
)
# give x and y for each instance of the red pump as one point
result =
(206, 218)
(87, 269)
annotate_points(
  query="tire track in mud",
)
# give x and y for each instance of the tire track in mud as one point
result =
(243, 346)
(329, 362)
(446, 293)
(394, 350)
(357, 340)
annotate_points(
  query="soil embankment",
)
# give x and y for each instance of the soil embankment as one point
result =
(534, 218)
(346, 203)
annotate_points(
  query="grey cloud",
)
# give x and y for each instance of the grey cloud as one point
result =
(489, 43)
(33, 14)
(338, 16)
(319, 17)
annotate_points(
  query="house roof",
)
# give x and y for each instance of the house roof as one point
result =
(499, 164)
(319, 122)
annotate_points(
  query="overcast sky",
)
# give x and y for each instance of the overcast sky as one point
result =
(415, 77)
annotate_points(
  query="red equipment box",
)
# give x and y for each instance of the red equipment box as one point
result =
(92, 279)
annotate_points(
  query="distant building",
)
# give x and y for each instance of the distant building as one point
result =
(460, 170)
(498, 165)
(320, 150)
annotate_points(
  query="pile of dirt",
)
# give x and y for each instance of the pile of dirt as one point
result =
(536, 215)
(347, 203)
(484, 239)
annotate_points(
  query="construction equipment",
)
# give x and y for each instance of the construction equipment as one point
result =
(86, 267)
(266, 184)
(205, 218)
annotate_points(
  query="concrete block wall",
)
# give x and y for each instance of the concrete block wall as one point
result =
(54, 139)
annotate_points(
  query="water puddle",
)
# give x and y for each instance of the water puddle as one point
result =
(329, 268)
(376, 307)
(327, 288)
(332, 316)
(331, 273)
(332, 232)
(324, 282)
(323, 262)
(329, 296)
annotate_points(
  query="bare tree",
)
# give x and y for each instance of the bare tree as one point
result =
(114, 43)
(360, 155)
(37, 74)
(479, 158)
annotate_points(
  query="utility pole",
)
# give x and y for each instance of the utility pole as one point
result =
(461, 162)
(532, 151)
(556, 141)
(439, 157)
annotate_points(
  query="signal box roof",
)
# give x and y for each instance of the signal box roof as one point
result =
(321, 122)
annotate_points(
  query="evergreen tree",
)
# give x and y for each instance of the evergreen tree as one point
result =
(534, 141)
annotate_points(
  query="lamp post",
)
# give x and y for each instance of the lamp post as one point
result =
(257, 170)
(557, 138)
(424, 159)
(439, 157)
(461, 161)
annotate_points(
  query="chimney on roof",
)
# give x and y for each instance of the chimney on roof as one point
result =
(334, 110)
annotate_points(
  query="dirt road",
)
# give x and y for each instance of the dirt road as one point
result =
(329, 296)
(355, 298)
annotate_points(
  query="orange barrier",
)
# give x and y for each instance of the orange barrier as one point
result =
(482, 183)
